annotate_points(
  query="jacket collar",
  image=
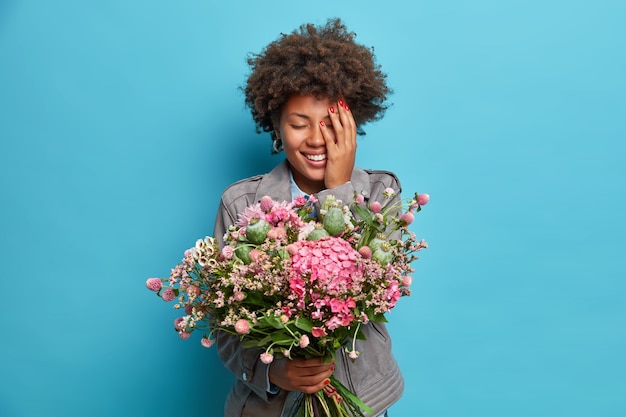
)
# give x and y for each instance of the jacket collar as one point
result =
(277, 184)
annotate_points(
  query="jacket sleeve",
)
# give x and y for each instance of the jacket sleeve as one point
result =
(243, 363)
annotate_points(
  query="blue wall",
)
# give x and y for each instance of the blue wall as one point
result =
(121, 122)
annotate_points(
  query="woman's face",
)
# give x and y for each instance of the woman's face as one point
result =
(300, 131)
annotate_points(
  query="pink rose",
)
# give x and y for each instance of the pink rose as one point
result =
(153, 284)
(267, 358)
(242, 326)
(206, 342)
(304, 341)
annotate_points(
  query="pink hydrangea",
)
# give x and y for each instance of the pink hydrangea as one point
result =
(153, 284)
(329, 260)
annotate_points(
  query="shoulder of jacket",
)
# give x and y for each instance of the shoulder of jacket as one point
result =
(382, 176)
(241, 189)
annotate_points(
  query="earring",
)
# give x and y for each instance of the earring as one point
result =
(277, 145)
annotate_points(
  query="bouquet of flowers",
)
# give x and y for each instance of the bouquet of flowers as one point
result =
(297, 283)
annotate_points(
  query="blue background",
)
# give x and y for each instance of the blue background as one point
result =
(121, 122)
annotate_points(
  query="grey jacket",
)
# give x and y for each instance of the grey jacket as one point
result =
(374, 377)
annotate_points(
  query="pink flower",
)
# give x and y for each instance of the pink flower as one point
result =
(365, 251)
(407, 217)
(242, 326)
(354, 354)
(304, 341)
(422, 199)
(179, 323)
(406, 281)
(239, 296)
(360, 199)
(184, 335)
(255, 255)
(277, 233)
(227, 252)
(153, 284)
(299, 201)
(206, 342)
(193, 291)
(375, 206)
(168, 294)
(266, 203)
(267, 358)
(389, 192)
(318, 332)
(287, 353)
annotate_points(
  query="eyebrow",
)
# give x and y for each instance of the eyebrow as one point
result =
(304, 116)
(299, 115)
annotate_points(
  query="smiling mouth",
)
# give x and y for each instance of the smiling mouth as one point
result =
(320, 157)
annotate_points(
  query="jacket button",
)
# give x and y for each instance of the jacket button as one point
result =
(244, 376)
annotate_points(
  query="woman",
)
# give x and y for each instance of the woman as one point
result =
(312, 90)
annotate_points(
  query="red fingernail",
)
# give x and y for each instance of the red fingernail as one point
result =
(341, 103)
(332, 367)
(326, 381)
(347, 108)
(322, 123)
(332, 110)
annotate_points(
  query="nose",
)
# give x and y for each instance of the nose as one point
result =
(316, 138)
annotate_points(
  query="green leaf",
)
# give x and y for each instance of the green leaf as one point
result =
(365, 215)
(281, 338)
(304, 324)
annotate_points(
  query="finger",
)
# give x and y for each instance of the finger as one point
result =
(337, 126)
(328, 133)
(346, 118)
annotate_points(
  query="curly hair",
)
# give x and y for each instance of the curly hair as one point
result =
(319, 60)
